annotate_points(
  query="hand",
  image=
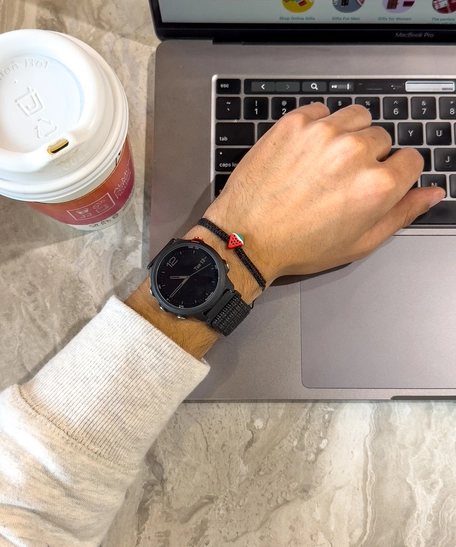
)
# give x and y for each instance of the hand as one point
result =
(314, 193)
(317, 192)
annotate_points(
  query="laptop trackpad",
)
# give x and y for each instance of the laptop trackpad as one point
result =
(388, 321)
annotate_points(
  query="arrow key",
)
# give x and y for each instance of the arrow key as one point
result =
(259, 86)
(288, 87)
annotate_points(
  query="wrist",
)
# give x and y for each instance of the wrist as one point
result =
(193, 335)
(254, 243)
(243, 281)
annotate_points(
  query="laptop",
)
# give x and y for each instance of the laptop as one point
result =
(382, 328)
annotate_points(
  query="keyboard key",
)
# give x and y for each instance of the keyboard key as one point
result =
(310, 100)
(395, 108)
(453, 186)
(263, 128)
(447, 108)
(229, 134)
(337, 87)
(227, 159)
(372, 104)
(228, 86)
(256, 108)
(219, 185)
(387, 126)
(434, 180)
(336, 103)
(281, 106)
(410, 134)
(424, 108)
(228, 108)
(438, 133)
(314, 87)
(444, 213)
(260, 86)
(445, 159)
(426, 153)
(288, 87)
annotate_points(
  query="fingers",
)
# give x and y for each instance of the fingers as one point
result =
(348, 119)
(398, 173)
(378, 141)
(312, 112)
(407, 163)
(351, 118)
(415, 203)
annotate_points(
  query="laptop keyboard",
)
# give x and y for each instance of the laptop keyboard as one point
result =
(416, 113)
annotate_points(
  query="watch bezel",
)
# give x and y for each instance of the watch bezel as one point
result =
(222, 282)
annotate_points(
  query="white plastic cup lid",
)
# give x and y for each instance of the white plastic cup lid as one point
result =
(62, 113)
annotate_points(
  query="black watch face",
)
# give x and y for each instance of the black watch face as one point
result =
(187, 277)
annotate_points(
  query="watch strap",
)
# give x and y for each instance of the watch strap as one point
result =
(228, 313)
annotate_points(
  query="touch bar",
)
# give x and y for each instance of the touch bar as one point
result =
(430, 87)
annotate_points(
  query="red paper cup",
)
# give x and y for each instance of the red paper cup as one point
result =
(63, 130)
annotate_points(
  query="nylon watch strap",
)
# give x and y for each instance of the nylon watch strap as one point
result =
(228, 313)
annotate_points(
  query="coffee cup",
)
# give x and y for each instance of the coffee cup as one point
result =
(64, 147)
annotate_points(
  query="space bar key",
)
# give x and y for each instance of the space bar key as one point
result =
(442, 214)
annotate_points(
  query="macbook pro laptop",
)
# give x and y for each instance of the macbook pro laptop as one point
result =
(226, 70)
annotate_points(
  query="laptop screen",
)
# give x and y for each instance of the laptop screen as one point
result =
(420, 21)
(391, 12)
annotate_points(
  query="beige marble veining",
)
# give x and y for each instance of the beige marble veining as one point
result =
(322, 474)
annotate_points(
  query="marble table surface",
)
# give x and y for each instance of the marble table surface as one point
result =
(264, 474)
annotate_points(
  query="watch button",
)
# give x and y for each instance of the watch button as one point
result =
(180, 317)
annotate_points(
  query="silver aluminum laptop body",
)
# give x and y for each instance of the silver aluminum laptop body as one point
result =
(381, 328)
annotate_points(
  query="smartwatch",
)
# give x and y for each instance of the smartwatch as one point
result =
(189, 279)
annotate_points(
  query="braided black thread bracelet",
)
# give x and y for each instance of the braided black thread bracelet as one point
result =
(238, 250)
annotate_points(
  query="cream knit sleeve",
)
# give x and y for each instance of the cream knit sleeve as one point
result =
(71, 439)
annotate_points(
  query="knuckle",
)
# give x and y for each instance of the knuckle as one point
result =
(321, 108)
(416, 157)
(325, 129)
(292, 121)
(354, 144)
(389, 178)
(361, 110)
(382, 134)
(311, 112)
(412, 158)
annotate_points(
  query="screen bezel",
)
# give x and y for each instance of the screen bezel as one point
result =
(308, 33)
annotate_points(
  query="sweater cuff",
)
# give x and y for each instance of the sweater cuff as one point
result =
(115, 385)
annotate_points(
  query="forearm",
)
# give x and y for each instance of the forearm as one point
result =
(74, 436)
